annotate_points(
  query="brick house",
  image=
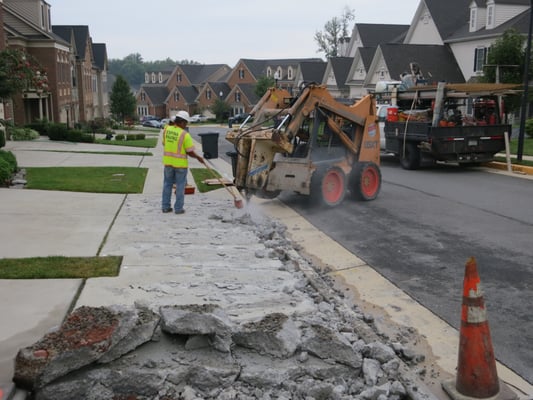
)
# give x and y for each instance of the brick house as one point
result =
(75, 68)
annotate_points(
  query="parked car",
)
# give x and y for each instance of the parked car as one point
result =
(145, 118)
(152, 123)
(198, 118)
(165, 122)
(237, 119)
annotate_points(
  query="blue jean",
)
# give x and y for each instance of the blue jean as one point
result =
(173, 176)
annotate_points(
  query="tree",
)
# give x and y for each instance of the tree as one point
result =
(505, 59)
(221, 109)
(122, 100)
(262, 85)
(20, 71)
(335, 30)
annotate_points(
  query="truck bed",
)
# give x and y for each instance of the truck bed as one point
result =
(461, 144)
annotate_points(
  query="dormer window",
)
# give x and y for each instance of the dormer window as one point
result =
(269, 72)
(146, 77)
(473, 16)
(153, 77)
(178, 77)
(289, 73)
(279, 73)
(208, 94)
(241, 73)
(490, 17)
(160, 77)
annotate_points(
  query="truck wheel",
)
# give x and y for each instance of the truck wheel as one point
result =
(328, 187)
(411, 158)
(365, 181)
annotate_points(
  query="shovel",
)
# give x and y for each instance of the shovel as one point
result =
(237, 202)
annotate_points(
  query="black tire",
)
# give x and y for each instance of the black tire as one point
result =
(328, 186)
(365, 181)
(410, 159)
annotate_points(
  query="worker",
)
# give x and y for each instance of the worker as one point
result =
(178, 145)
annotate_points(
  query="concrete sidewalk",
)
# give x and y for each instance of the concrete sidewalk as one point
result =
(213, 263)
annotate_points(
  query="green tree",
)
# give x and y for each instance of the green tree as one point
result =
(262, 85)
(335, 30)
(221, 109)
(122, 100)
(505, 58)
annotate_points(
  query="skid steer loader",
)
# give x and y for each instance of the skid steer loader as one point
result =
(311, 144)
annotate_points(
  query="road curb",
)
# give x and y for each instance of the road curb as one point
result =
(521, 169)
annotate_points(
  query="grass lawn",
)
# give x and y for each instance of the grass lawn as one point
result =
(118, 153)
(58, 267)
(87, 179)
(528, 146)
(201, 174)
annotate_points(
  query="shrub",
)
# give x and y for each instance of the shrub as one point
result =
(140, 136)
(10, 159)
(529, 127)
(76, 135)
(120, 136)
(23, 134)
(131, 137)
(57, 131)
(5, 173)
(2, 138)
(40, 125)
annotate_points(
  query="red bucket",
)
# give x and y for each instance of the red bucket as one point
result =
(392, 114)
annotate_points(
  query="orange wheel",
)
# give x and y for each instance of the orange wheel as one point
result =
(329, 187)
(366, 181)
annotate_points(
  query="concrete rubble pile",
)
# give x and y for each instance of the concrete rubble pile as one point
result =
(200, 351)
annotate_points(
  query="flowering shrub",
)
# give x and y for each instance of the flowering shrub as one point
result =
(19, 71)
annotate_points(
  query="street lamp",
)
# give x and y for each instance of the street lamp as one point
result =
(523, 111)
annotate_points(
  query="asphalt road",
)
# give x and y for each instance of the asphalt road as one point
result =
(422, 229)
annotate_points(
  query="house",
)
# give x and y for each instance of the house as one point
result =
(336, 75)
(309, 72)
(26, 26)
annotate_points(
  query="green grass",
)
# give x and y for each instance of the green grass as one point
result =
(528, 146)
(87, 179)
(201, 174)
(148, 142)
(58, 267)
(514, 161)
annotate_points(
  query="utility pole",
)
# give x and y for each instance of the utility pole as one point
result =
(523, 112)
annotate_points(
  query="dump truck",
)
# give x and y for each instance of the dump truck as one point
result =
(311, 144)
(450, 123)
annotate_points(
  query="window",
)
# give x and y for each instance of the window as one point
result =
(153, 77)
(269, 72)
(208, 94)
(160, 77)
(176, 96)
(178, 77)
(472, 19)
(237, 96)
(143, 96)
(490, 16)
(289, 73)
(146, 77)
(279, 73)
(480, 58)
(241, 73)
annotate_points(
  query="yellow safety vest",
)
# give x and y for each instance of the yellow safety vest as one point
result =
(176, 141)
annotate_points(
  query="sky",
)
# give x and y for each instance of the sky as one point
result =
(219, 32)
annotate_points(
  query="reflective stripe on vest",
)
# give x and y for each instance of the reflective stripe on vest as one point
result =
(175, 155)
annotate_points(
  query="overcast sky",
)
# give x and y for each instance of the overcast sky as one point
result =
(218, 32)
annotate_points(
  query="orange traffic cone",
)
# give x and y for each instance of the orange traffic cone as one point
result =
(476, 367)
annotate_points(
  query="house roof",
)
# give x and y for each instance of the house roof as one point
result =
(520, 23)
(341, 68)
(437, 63)
(375, 34)
(247, 89)
(312, 71)
(218, 87)
(189, 93)
(81, 36)
(258, 68)
(17, 25)
(199, 73)
(157, 93)
(367, 55)
(449, 16)
(100, 55)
